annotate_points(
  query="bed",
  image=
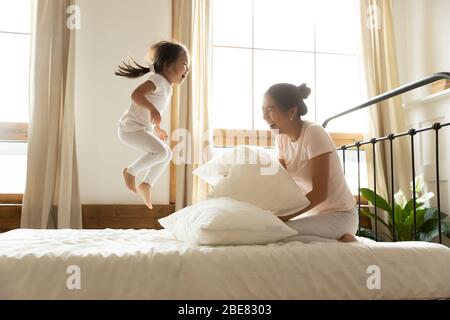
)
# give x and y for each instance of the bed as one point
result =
(151, 264)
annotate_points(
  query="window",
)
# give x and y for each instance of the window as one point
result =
(257, 43)
(15, 25)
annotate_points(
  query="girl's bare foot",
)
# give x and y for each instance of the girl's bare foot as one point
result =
(129, 180)
(144, 190)
(347, 238)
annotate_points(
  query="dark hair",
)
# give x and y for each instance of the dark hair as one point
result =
(163, 53)
(288, 95)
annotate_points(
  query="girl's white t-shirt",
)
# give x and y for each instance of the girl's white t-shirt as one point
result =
(138, 118)
(312, 142)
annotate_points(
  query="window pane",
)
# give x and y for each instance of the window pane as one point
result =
(339, 88)
(15, 15)
(14, 77)
(13, 167)
(337, 26)
(232, 88)
(232, 23)
(280, 66)
(284, 24)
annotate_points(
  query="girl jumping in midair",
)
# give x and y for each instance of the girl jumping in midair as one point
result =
(139, 125)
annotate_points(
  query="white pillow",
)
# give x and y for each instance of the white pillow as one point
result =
(218, 167)
(252, 175)
(225, 221)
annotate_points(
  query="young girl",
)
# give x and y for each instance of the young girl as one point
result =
(139, 125)
(309, 155)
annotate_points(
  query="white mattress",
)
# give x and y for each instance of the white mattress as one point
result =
(150, 264)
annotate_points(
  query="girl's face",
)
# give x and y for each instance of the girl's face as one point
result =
(275, 117)
(180, 69)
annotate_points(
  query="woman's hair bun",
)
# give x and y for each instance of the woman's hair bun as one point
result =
(304, 91)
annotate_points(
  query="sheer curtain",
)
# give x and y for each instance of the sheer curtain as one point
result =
(190, 105)
(381, 71)
(51, 198)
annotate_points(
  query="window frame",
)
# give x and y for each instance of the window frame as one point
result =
(13, 132)
(253, 48)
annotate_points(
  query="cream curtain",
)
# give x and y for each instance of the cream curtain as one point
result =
(192, 26)
(51, 198)
(380, 66)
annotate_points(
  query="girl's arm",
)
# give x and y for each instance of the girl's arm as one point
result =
(138, 97)
(320, 168)
(282, 162)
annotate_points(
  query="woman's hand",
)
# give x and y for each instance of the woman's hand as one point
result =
(320, 175)
(162, 134)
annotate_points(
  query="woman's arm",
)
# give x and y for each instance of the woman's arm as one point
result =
(283, 163)
(138, 97)
(320, 167)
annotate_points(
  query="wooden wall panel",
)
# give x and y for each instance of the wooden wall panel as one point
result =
(9, 217)
(100, 216)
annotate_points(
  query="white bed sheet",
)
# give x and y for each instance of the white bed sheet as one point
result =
(151, 264)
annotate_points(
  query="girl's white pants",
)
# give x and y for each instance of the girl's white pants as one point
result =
(157, 154)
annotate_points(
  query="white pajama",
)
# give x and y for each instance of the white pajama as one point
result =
(324, 226)
(157, 154)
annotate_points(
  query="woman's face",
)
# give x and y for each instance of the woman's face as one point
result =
(275, 117)
(180, 69)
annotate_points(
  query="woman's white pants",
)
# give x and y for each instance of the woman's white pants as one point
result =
(324, 226)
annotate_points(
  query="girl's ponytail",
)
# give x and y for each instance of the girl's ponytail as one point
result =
(161, 54)
(128, 70)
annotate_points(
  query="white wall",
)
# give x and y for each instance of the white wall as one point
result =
(112, 30)
(422, 40)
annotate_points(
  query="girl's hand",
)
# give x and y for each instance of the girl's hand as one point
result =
(155, 116)
(162, 134)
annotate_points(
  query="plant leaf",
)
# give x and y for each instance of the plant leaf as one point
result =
(420, 213)
(371, 196)
(368, 233)
(371, 215)
(398, 212)
(446, 228)
(429, 225)
(409, 208)
(427, 236)
(404, 231)
(432, 213)
(430, 229)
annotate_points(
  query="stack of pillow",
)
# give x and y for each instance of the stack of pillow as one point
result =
(250, 190)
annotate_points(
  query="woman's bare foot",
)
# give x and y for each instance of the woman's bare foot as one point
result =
(347, 238)
(144, 190)
(129, 180)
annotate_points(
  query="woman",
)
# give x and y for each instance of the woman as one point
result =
(309, 155)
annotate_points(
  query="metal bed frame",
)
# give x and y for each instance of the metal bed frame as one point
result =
(390, 137)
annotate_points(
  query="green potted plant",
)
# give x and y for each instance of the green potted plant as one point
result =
(426, 217)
